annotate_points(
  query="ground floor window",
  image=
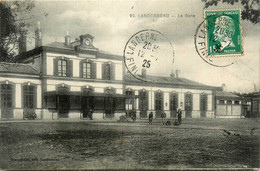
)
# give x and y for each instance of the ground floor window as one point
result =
(7, 99)
(28, 96)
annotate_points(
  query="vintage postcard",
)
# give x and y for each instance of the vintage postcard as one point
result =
(118, 85)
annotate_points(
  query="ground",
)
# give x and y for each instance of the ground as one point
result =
(199, 143)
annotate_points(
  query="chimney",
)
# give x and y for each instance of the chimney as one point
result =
(177, 73)
(38, 36)
(172, 74)
(224, 87)
(22, 43)
(67, 39)
(144, 73)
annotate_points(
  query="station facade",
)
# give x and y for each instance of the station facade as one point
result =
(77, 80)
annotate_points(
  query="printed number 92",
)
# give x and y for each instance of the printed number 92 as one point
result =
(146, 63)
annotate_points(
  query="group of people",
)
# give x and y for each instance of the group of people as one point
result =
(163, 116)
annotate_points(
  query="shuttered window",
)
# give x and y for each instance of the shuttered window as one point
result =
(86, 69)
(62, 67)
(108, 71)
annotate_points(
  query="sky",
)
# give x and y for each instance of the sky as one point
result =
(111, 25)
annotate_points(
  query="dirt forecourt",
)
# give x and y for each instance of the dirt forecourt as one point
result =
(197, 143)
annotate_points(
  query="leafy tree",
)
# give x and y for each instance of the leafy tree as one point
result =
(250, 11)
(15, 21)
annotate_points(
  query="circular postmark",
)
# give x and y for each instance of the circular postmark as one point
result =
(146, 53)
(218, 40)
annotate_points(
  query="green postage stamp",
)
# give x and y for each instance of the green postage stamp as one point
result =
(223, 33)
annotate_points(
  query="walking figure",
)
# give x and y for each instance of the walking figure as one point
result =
(179, 115)
(150, 118)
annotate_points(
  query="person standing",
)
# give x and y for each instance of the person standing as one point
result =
(150, 118)
(91, 114)
(162, 116)
(179, 115)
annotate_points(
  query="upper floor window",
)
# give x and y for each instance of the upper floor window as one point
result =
(221, 102)
(28, 96)
(236, 102)
(62, 67)
(229, 102)
(86, 67)
(107, 71)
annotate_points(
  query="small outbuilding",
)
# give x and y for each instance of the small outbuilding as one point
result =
(228, 105)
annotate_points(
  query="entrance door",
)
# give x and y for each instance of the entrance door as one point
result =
(143, 103)
(129, 103)
(109, 107)
(203, 105)
(188, 105)
(173, 104)
(63, 106)
(6, 101)
(87, 106)
(158, 104)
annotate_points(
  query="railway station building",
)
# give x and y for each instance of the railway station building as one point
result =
(77, 80)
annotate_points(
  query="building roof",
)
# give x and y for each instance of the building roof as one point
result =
(166, 82)
(17, 68)
(224, 94)
(100, 53)
(58, 45)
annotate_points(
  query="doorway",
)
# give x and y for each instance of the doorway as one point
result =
(188, 105)
(173, 104)
(203, 105)
(143, 103)
(109, 107)
(158, 104)
(87, 106)
(63, 106)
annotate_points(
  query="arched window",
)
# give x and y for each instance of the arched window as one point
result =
(143, 103)
(6, 95)
(86, 70)
(28, 96)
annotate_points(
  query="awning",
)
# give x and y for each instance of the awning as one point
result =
(49, 93)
